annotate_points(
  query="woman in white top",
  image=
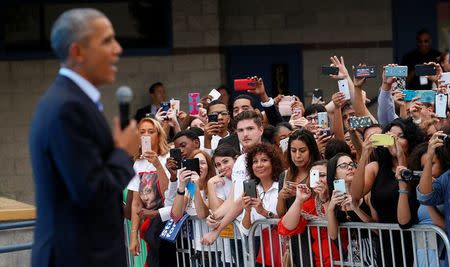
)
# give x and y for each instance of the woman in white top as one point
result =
(220, 185)
(264, 167)
(148, 186)
(195, 205)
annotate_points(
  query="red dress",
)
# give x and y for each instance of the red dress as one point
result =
(309, 207)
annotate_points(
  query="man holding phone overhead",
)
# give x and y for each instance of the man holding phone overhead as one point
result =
(80, 168)
(217, 126)
(157, 93)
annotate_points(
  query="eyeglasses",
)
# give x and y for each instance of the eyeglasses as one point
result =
(310, 118)
(223, 113)
(345, 165)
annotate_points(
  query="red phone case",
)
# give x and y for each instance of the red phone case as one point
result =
(244, 84)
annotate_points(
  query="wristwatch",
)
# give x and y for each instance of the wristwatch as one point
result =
(270, 215)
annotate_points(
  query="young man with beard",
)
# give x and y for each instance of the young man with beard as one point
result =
(249, 130)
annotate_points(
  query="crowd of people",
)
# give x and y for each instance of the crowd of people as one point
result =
(237, 160)
(251, 141)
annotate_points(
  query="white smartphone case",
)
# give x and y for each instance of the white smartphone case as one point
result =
(313, 178)
(343, 87)
(146, 143)
(214, 94)
(441, 105)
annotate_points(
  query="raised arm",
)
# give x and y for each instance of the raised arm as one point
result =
(365, 173)
(338, 127)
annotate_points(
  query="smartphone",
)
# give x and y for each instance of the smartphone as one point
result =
(192, 165)
(214, 94)
(426, 96)
(284, 144)
(175, 104)
(146, 143)
(339, 185)
(446, 78)
(365, 72)
(313, 178)
(193, 100)
(440, 105)
(318, 93)
(425, 70)
(343, 87)
(165, 106)
(329, 70)
(213, 118)
(322, 119)
(382, 140)
(397, 71)
(325, 131)
(250, 188)
(360, 122)
(175, 153)
(409, 95)
(400, 83)
(244, 84)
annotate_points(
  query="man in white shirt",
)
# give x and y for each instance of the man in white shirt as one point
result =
(249, 130)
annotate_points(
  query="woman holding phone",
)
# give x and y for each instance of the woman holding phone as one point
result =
(148, 187)
(191, 198)
(341, 208)
(312, 204)
(378, 179)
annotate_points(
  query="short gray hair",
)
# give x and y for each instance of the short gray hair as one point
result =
(72, 26)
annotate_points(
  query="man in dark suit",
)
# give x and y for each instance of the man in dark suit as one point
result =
(157, 94)
(79, 167)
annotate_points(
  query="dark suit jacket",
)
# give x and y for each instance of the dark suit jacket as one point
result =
(231, 140)
(79, 177)
(142, 112)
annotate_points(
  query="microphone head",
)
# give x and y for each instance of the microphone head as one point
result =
(124, 94)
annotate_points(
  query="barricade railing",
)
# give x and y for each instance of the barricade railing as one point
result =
(230, 249)
(357, 244)
(16, 225)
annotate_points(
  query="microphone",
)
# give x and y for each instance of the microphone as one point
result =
(124, 96)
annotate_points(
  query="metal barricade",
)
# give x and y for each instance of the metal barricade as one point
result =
(357, 244)
(16, 225)
(224, 252)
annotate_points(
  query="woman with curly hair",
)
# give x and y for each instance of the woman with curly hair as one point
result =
(378, 178)
(264, 167)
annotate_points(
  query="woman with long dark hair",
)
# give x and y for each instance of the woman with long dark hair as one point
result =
(378, 177)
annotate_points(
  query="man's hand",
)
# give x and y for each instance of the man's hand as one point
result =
(338, 99)
(387, 81)
(171, 165)
(259, 90)
(343, 72)
(128, 138)
(359, 82)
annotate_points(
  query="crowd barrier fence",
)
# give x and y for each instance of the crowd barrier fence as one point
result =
(370, 244)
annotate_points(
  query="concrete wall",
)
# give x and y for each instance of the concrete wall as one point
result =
(353, 29)
(200, 28)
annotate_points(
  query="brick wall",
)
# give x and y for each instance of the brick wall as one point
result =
(200, 27)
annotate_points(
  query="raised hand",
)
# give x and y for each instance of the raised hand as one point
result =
(302, 192)
(343, 72)
(387, 81)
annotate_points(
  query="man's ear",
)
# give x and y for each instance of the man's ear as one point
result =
(197, 143)
(75, 53)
